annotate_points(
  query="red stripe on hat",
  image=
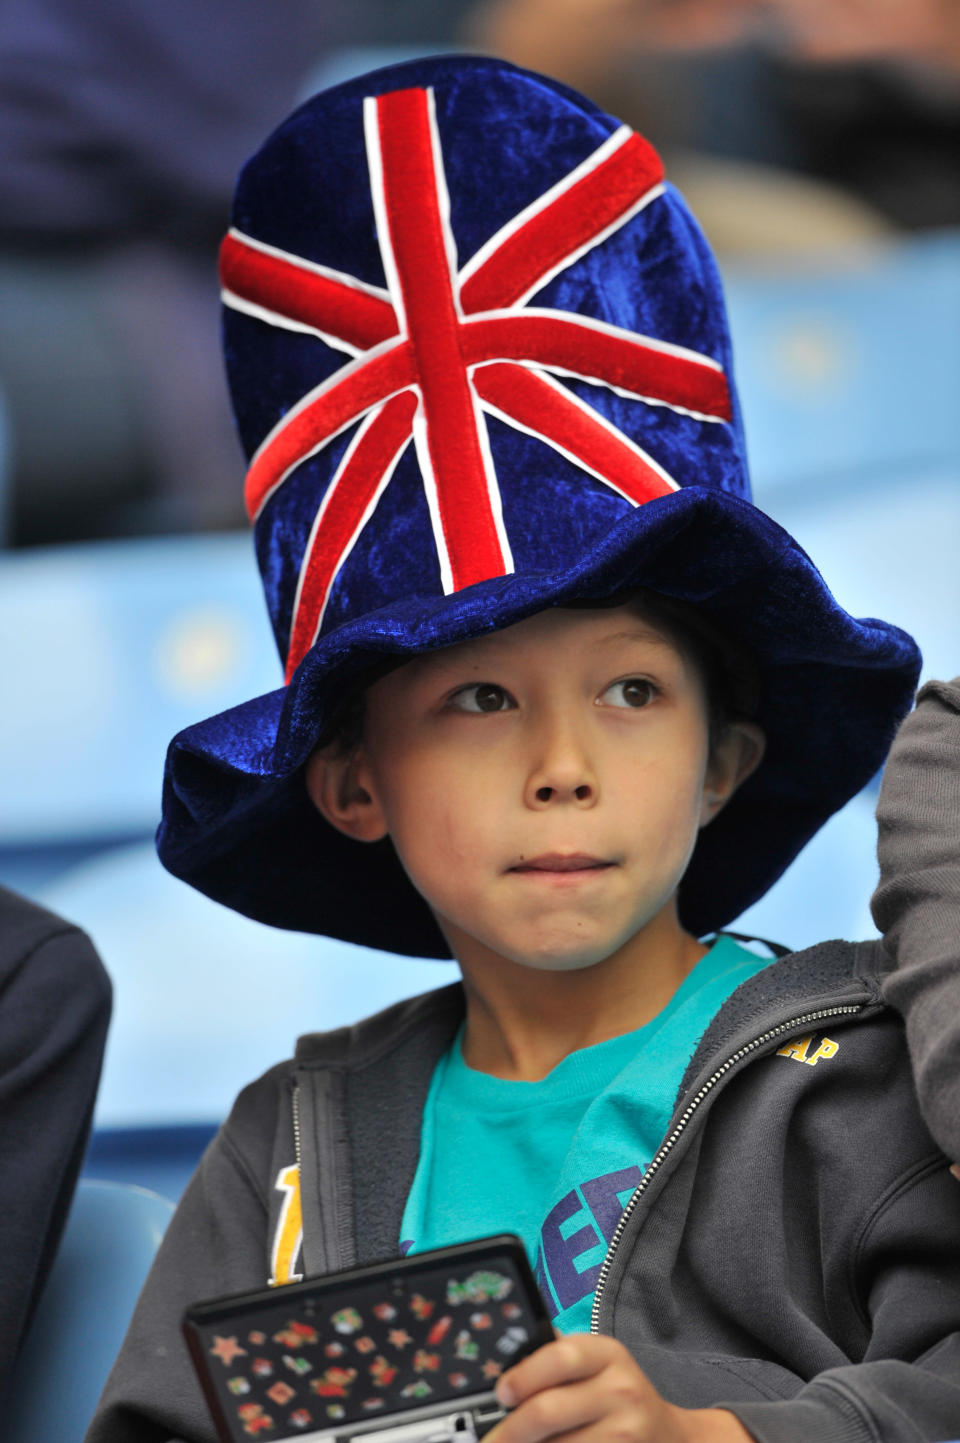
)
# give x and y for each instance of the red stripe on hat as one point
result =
(452, 452)
(551, 412)
(351, 497)
(292, 289)
(322, 414)
(580, 347)
(575, 214)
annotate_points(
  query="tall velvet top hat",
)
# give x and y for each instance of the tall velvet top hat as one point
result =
(479, 362)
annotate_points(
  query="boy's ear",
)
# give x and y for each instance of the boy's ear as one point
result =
(341, 788)
(734, 757)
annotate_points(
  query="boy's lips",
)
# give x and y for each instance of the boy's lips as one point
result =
(562, 862)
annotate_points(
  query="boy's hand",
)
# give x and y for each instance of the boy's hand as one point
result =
(589, 1389)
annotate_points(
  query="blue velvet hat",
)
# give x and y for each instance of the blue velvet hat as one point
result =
(479, 361)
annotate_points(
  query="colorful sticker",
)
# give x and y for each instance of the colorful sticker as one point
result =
(227, 1349)
(382, 1372)
(335, 1410)
(257, 1338)
(424, 1362)
(348, 1320)
(239, 1386)
(254, 1419)
(421, 1307)
(334, 1383)
(491, 1369)
(418, 1389)
(481, 1287)
(296, 1335)
(300, 1366)
(467, 1347)
(334, 1350)
(398, 1338)
(370, 1405)
(262, 1367)
(386, 1312)
(480, 1321)
(511, 1340)
(281, 1393)
(458, 1380)
(512, 1310)
(364, 1345)
(439, 1331)
(300, 1418)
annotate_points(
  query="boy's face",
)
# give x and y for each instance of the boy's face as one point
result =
(543, 786)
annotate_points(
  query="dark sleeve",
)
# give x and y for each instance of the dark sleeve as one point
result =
(216, 1244)
(54, 1010)
(906, 1388)
(917, 904)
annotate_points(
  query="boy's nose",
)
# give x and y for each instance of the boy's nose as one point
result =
(581, 793)
(562, 774)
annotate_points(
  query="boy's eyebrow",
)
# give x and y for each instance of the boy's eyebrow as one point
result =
(443, 656)
(641, 633)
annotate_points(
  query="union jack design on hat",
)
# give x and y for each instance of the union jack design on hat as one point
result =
(439, 346)
(480, 366)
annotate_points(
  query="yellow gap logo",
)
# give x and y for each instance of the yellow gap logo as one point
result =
(799, 1050)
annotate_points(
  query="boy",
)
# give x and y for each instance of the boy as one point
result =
(561, 702)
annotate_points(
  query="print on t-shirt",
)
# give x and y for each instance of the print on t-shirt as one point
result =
(575, 1237)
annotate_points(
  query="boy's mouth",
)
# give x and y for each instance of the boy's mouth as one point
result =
(562, 862)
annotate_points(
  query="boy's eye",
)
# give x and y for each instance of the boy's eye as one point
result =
(482, 696)
(634, 692)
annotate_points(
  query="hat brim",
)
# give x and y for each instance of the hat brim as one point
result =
(238, 825)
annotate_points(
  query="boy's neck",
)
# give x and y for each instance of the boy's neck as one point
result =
(521, 1022)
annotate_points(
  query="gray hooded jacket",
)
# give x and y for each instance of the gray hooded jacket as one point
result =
(792, 1252)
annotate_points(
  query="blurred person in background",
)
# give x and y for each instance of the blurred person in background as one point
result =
(827, 121)
(123, 126)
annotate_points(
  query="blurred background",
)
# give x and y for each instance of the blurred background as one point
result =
(818, 142)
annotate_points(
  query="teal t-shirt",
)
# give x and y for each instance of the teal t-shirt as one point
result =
(555, 1161)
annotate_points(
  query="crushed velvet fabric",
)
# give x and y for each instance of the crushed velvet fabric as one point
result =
(236, 821)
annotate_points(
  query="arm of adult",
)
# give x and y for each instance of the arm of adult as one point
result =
(917, 903)
(54, 1011)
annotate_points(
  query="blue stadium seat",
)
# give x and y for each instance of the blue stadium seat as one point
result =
(112, 1234)
(161, 1158)
(111, 647)
(848, 363)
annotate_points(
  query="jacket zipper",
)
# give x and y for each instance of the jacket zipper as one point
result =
(683, 1119)
(296, 1129)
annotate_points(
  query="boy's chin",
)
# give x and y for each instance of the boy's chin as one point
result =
(567, 955)
(561, 961)
(566, 950)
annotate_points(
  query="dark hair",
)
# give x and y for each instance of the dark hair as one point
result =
(345, 728)
(726, 668)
